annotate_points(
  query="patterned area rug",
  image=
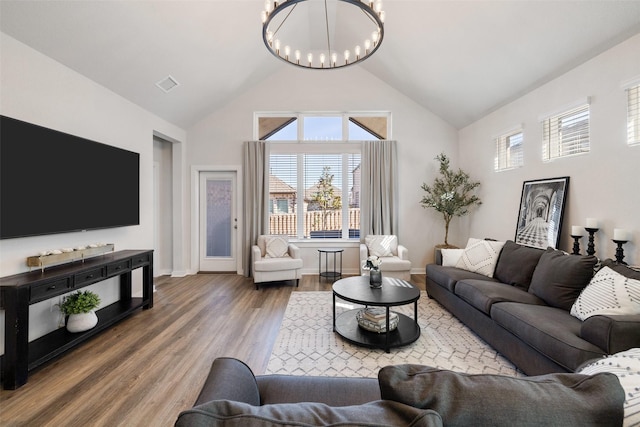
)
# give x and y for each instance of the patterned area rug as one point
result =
(307, 345)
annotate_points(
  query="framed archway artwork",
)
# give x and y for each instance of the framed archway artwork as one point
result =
(541, 211)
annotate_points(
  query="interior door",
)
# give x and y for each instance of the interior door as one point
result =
(218, 221)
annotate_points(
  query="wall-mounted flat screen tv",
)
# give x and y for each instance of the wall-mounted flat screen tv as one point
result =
(53, 182)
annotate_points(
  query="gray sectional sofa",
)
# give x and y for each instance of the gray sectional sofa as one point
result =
(403, 395)
(523, 311)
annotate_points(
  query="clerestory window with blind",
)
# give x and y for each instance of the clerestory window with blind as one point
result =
(509, 151)
(314, 171)
(566, 134)
(633, 114)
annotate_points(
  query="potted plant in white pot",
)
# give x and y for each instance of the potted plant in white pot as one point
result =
(80, 308)
(450, 194)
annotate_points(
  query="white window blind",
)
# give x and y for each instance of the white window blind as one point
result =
(566, 134)
(633, 115)
(509, 151)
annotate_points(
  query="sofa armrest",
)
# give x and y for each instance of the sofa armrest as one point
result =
(403, 252)
(294, 251)
(364, 254)
(230, 379)
(612, 333)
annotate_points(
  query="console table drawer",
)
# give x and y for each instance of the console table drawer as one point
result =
(49, 290)
(140, 259)
(118, 267)
(89, 276)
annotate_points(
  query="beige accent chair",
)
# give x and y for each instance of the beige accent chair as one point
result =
(395, 257)
(275, 259)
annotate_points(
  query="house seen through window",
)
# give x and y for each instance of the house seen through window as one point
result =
(314, 172)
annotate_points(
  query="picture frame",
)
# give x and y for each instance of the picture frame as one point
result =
(541, 212)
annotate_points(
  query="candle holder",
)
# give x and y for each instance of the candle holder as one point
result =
(576, 245)
(620, 251)
(591, 249)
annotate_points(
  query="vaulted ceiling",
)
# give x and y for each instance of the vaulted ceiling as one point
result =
(459, 59)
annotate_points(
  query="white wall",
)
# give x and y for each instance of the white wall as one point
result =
(603, 183)
(39, 90)
(218, 139)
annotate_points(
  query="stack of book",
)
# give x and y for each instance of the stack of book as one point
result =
(374, 319)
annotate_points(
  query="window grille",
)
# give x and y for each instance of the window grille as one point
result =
(566, 134)
(509, 151)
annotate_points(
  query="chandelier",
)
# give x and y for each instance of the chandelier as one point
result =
(322, 34)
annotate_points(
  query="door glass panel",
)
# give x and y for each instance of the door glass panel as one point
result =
(219, 193)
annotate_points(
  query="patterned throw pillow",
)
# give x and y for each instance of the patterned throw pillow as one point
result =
(480, 256)
(381, 245)
(626, 366)
(609, 292)
(277, 246)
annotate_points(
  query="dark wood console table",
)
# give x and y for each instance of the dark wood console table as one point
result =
(19, 291)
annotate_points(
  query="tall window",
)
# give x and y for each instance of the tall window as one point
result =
(633, 114)
(566, 134)
(509, 153)
(314, 183)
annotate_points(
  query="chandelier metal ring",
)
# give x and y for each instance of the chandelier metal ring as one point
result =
(327, 57)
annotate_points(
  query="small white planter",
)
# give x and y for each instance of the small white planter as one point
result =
(82, 322)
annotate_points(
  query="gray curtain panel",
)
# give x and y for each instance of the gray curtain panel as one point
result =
(379, 198)
(256, 192)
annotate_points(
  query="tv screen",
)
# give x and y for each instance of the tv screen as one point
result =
(53, 182)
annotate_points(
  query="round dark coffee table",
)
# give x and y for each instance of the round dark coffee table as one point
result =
(394, 292)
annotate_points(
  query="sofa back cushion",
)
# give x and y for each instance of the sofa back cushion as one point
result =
(559, 278)
(379, 413)
(516, 264)
(496, 400)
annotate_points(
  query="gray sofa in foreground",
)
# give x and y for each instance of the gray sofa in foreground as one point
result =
(404, 395)
(523, 311)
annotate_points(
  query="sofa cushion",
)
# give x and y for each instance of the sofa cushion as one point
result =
(480, 256)
(559, 278)
(609, 292)
(495, 400)
(382, 244)
(447, 277)
(379, 413)
(516, 264)
(332, 391)
(551, 331)
(393, 263)
(626, 366)
(277, 264)
(483, 293)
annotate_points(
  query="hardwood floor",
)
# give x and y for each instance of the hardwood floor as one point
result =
(149, 367)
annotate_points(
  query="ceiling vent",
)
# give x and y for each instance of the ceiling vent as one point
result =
(167, 84)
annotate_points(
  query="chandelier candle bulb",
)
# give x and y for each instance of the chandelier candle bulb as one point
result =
(592, 223)
(576, 230)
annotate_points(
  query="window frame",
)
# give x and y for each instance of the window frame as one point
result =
(503, 150)
(553, 141)
(300, 147)
(632, 91)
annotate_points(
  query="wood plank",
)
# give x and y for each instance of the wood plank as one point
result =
(149, 367)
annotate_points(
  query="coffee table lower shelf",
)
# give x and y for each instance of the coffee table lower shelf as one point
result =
(347, 327)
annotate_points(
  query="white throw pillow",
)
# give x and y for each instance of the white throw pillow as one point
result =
(480, 256)
(382, 244)
(450, 257)
(608, 292)
(276, 246)
(626, 366)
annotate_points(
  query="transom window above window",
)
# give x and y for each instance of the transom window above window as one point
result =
(566, 134)
(322, 127)
(509, 152)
